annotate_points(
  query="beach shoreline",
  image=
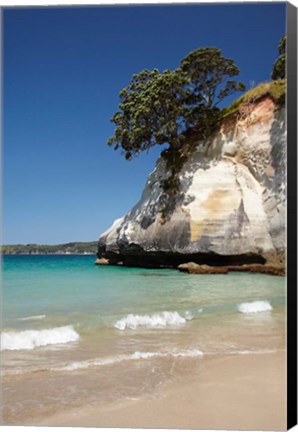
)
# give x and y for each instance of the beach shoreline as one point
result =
(240, 392)
(120, 347)
(272, 269)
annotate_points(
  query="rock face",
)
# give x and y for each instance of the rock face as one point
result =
(230, 207)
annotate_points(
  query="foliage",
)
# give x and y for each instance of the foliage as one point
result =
(209, 83)
(174, 162)
(279, 67)
(150, 113)
(157, 108)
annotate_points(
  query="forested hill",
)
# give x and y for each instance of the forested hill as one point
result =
(35, 249)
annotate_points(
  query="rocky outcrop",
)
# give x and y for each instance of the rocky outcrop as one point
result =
(193, 268)
(230, 207)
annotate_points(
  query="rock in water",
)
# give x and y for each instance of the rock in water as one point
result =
(230, 206)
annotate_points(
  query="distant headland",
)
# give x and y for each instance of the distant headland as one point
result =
(82, 248)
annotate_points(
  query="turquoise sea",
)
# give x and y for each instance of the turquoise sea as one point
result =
(73, 332)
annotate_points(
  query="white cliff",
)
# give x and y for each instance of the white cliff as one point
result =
(231, 201)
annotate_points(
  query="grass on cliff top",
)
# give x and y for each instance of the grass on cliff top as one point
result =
(274, 89)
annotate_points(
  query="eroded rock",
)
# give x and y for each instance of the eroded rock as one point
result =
(231, 201)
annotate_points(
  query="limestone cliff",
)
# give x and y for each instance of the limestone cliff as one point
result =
(230, 207)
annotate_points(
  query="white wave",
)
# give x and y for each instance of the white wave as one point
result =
(255, 307)
(32, 318)
(188, 353)
(241, 352)
(188, 315)
(30, 339)
(138, 355)
(162, 319)
(250, 352)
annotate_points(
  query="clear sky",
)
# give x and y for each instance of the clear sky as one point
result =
(63, 70)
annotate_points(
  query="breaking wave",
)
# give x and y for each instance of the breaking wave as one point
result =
(162, 319)
(32, 318)
(255, 307)
(138, 355)
(30, 339)
(259, 351)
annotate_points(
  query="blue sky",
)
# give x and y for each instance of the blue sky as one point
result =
(63, 70)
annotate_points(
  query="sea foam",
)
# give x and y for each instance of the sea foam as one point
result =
(162, 319)
(30, 339)
(255, 307)
(259, 351)
(32, 318)
(138, 355)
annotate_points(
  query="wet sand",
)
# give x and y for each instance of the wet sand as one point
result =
(227, 392)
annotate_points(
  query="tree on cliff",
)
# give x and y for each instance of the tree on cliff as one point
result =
(157, 108)
(208, 75)
(150, 112)
(279, 67)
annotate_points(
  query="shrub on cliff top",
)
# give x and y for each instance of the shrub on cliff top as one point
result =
(279, 67)
(274, 89)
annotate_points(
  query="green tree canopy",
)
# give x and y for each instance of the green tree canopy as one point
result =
(279, 67)
(157, 108)
(151, 111)
(208, 73)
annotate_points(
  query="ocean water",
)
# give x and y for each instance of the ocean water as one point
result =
(75, 333)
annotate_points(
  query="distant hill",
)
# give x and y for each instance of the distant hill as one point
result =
(35, 249)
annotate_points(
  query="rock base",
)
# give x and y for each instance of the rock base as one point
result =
(213, 267)
(194, 268)
(102, 261)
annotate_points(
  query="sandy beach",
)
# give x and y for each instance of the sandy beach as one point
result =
(141, 348)
(226, 392)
